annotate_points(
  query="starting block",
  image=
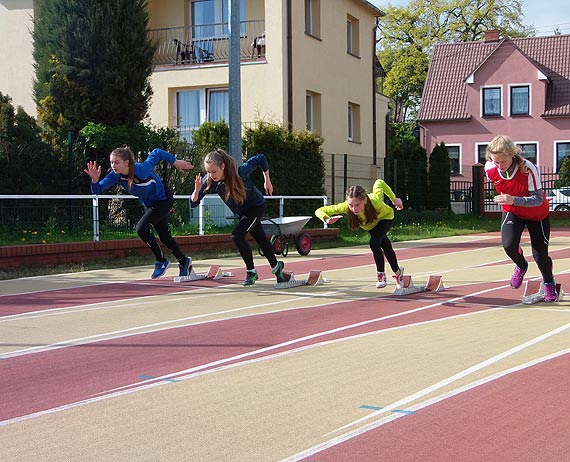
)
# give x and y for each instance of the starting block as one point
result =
(434, 284)
(534, 292)
(214, 272)
(315, 278)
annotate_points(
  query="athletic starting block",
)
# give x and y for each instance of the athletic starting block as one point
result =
(215, 273)
(315, 278)
(534, 292)
(434, 284)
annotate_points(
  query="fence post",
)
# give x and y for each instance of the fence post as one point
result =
(95, 202)
(325, 202)
(478, 196)
(281, 206)
(201, 218)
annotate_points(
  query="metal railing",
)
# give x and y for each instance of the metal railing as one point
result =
(206, 43)
(68, 211)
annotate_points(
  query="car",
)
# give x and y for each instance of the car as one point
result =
(559, 199)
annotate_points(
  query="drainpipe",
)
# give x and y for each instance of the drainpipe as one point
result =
(374, 140)
(289, 67)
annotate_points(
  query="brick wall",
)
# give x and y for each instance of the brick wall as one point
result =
(77, 252)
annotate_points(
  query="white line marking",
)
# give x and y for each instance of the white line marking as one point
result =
(373, 425)
(458, 376)
(209, 369)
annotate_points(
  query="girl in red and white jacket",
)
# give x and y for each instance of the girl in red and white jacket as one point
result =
(523, 203)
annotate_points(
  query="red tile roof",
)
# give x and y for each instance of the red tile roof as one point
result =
(445, 91)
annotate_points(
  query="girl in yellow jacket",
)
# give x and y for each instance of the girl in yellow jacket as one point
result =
(371, 213)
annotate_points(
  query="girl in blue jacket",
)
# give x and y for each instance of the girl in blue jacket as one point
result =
(140, 179)
(236, 189)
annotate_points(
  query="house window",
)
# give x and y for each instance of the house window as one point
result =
(218, 105)
(354, 122)
(529, 151)
(562, 151)
(194, 107)
(209, 19)
(313, 17)
(313, 112)
(352, 34)
(454, 158)
(481, 153)
(520, 100)
(187, 112)
(491, 101)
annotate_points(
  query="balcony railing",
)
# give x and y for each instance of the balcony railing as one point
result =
(207, 43)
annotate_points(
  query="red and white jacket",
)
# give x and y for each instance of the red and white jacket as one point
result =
(519, 185)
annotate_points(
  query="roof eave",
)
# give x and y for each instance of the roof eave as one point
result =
(454, 119)
(378, 12)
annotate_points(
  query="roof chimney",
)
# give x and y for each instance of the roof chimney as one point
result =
(491, 35)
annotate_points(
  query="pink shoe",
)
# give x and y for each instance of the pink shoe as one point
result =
(518, 276)
(550, 294)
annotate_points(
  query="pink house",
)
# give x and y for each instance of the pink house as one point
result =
(516, 87)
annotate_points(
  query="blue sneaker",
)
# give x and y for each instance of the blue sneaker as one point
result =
(185, 268)
(159, 269)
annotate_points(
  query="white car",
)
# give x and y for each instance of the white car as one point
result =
(559, 199)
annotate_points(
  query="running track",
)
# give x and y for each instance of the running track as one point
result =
(211, 371)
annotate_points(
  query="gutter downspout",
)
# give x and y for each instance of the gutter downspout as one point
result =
(374, 121)
(289, 67)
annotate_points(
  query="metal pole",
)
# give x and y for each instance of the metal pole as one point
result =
(95, 218)
(234, 81)
(201, 218)
(332, 177)
(345, 174)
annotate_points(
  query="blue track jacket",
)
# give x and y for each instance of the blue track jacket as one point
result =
(147, 186)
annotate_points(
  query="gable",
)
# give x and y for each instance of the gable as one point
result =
(453, 65)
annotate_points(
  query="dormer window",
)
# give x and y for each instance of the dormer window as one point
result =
(520, 100)
(491, 101)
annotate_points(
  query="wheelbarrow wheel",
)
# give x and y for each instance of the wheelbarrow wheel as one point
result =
(303, 243)
(279, 244)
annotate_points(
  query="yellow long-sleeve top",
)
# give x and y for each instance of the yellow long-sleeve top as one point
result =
(376, 197)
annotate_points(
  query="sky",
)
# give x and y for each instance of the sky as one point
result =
(545, 16)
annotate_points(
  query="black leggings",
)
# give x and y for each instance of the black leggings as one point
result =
(250, 222)
(157, 216)
(512, 228)
(381, 246)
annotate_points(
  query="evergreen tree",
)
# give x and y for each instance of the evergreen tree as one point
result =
(439, 178)
(27, 165)
(93, 63)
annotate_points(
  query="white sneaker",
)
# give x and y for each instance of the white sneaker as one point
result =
(381, 281)
(399, 277)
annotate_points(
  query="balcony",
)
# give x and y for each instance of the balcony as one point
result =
(206, 44)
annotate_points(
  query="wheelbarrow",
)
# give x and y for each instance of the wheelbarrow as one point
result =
(285, 230)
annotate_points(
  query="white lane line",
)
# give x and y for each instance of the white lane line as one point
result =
(217, 366)
(393, 416)
(299, 340)
(70, 276)
(460, 375)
